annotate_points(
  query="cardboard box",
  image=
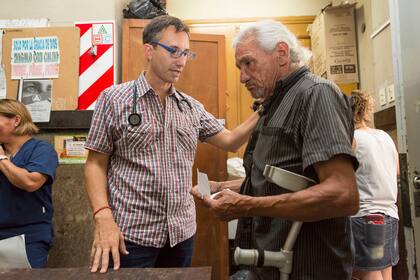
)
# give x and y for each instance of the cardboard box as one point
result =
(333, 40)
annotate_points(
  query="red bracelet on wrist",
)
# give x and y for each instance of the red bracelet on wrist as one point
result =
(100, 209)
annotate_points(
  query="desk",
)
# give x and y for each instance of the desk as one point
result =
(83, 273)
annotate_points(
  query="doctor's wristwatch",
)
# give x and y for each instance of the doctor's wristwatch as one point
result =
(2, 157)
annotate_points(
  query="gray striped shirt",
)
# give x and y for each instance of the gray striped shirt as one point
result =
(312, 123)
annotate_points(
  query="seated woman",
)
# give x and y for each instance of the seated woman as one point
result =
(375, 226)
(27, 170)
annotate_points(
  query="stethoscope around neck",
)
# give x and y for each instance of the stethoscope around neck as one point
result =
(134, 118)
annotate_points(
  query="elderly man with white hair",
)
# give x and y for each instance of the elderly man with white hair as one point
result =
(306, 128)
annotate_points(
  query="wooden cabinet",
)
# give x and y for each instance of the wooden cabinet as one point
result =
(204, 79)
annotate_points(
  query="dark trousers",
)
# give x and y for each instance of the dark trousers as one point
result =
(37, 253)
(140, 256)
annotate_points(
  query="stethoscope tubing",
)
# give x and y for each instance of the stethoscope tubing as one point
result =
(134, 118)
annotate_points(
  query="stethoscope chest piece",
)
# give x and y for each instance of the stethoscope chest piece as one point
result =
(134, 119)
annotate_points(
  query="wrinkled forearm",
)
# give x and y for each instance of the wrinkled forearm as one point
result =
(313, 204)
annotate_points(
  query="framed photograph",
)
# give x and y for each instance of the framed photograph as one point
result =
(33, 91)
(36, 96)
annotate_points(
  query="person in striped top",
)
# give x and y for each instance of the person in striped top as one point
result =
(307, 129)
(142, 144)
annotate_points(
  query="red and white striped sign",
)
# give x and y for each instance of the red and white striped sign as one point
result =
(96, 69)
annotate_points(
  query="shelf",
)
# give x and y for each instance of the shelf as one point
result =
(65, 120)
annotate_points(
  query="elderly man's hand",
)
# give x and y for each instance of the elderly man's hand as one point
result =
(228, 205)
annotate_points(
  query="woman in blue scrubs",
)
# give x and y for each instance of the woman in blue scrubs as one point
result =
(27, 171)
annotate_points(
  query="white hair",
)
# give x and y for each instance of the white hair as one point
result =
(268, 33)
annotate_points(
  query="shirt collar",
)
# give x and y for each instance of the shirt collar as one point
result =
(292, 78)
(144, 87)
(283, 86)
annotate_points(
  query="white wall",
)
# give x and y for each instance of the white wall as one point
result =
(60, 12)
(225, 9)
(375, 54)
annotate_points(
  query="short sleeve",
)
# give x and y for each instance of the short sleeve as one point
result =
(326, 125)
(210, 126)
(43, 160)
(100, 133)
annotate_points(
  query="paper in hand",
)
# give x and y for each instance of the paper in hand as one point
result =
(203, 183)
(13, 253)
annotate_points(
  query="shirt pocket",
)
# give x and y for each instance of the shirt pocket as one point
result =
(139, 137)
(187, 138)
(275, 145)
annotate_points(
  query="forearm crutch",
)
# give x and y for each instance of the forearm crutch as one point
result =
(282, 260)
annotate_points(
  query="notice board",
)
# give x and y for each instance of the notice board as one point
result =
(64, 88)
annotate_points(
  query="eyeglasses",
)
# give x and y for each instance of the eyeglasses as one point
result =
(175, 52)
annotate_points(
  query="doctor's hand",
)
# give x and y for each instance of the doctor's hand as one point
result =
(108, 239)
(215, 186)
(197, 194)
(228, 205)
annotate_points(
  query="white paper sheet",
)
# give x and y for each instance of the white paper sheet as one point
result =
(13, 253)
(2, 72)
(203, 183)
(35, 58)
(36, 96)
(215, 194)
(2, 81)
(19, 23)
(1, 46)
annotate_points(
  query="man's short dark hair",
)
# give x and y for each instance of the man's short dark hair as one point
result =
(153, 30)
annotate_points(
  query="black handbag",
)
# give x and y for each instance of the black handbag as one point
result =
(144, 9)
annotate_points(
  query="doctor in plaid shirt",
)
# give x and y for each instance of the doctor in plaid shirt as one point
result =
(142, 144)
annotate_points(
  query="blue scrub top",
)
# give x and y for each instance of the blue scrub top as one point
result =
(23, 212)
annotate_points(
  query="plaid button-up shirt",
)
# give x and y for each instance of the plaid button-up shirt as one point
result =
(150, 166)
